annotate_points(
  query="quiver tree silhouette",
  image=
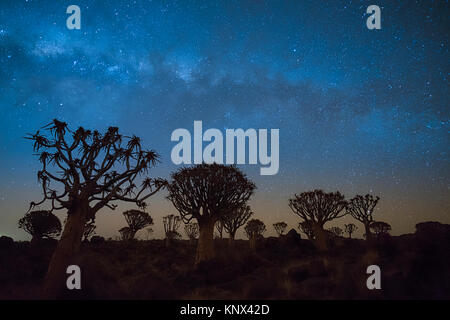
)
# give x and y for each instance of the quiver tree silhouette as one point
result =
(126, 234)
(280, 227)
(306, 228)
(361, 208)
(254, 230)
(192, 231)
(89, 230)
(336, 231)
(40, 224)
(93, 170)
(219, 228)
(208, 193)
(380, 228)
(171, 224)
(233, 221)
(137, 220)
(318, 207)
(350, 229)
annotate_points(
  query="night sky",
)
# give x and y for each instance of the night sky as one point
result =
(360, 111)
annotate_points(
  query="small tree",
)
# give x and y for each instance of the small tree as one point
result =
(171, 224)
(126, 234)
(40, 224)
(235, 220)
(137, 220)
(336, 231)
(89, 230)
(350, 229)
(254, 230)
(93, 170)
(191, 230)
(208, 193)
(280, 227)
(361, 208)
(318, 207)
(219, 228)
(380, 228)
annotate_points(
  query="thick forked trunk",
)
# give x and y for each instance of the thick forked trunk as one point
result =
(205, 245)
(320, 237)
(68, 246)
(231, 239)
(253, 242)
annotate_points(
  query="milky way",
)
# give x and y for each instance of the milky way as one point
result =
(360, 111)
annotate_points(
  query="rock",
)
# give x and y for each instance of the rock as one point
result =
(6, 242)
(432, 228)
(97, 240)
(271, 242)
(292, 237)
(433, 233)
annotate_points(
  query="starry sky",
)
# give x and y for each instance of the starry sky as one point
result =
(360, 111)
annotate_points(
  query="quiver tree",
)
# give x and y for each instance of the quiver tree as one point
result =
(171, 225)
(318, 207)
(280, 227)
(306, 228)
(361, 208)
(254, 230)
(380, 228)
(336, 231)
(137, 220)
(191, 230)
(89, 230)
(82, 172)
(208, 193)
(40, 224)
(235, 220)
(126, 234)
(350, 229)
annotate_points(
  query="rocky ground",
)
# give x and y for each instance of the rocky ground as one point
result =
(413, 266)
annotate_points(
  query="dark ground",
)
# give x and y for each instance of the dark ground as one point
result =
(413, 266)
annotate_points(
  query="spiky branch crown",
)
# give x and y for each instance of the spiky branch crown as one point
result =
(93, 167)
(137, 219)
(208, 192)
(318, 206)
(254, 227)
(361, 207)
(280, 227)
(236, 219)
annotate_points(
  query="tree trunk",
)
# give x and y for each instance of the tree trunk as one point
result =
(253, 242)
(68, 246)
(167, 242)
(320, 237)
(231, 239)
(205, 245)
